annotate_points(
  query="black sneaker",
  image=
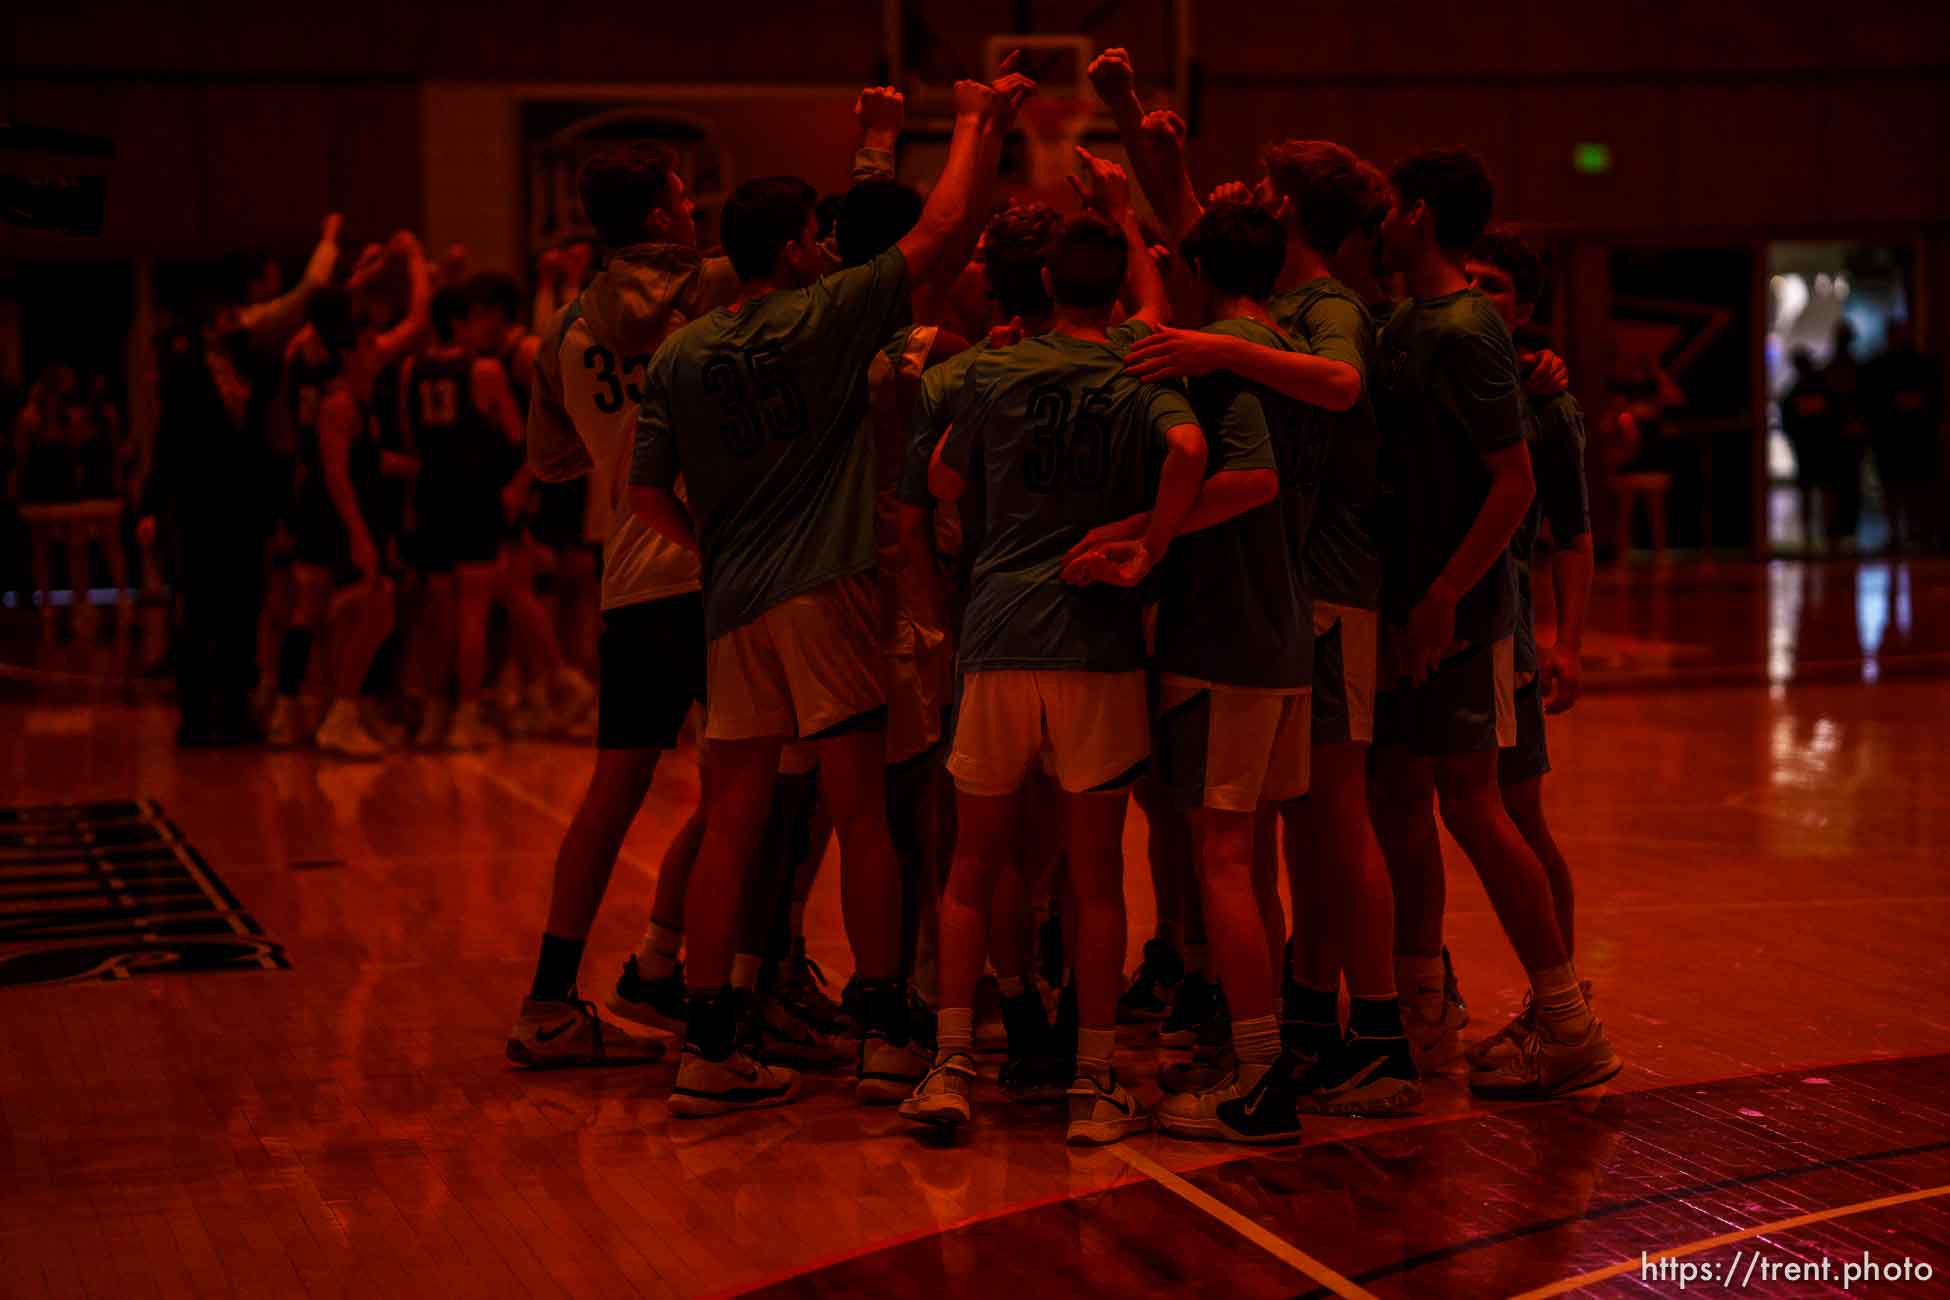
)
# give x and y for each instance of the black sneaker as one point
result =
(749, 1021)
(891, 1063)
(802, 986)
(1049, 945)
(1266, 1112)
(1451, 990)
(1063, 1034)
(1148, 999)
(921, 1019)
(1036, 1080)
(1035, 1071)
(1363, 1076)
(850, 1006)
(786, 1038)
(658, 1002)
(1198, 1002)
(1027, 1026)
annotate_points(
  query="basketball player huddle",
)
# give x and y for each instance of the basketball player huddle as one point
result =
(1240, 526)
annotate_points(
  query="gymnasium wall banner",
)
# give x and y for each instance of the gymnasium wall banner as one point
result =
(54, 179)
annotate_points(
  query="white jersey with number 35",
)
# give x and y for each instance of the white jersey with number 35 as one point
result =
(588, 384)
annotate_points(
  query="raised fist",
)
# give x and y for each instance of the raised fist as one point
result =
(880, 108)
(1229, 192)
(1110, 73)
(1164, 135)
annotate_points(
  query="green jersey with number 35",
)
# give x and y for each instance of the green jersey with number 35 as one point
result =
(1068, 440)
(761, 408)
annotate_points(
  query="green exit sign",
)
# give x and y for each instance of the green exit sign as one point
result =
(1591, 157)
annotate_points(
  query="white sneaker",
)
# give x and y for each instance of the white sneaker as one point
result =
(469, 730)
(1101, 1115)
(706, 1087)
(1264, 1114)
(889, 1073)
(287, 729)
(945, 1098)
(344, 735)
(1545, 1066)
(552, 1035)
(1507, 1042)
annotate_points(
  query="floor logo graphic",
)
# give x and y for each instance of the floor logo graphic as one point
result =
(106, 891)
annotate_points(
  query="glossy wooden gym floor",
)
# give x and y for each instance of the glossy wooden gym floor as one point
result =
(1752, 796)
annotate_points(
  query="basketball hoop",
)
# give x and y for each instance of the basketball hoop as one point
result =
(1053, 126)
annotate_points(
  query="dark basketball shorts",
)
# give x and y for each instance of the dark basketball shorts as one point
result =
(460, 528)
(1530, 757)
(651, 656)
(559, 510)
(319, 539)
(1465, 707)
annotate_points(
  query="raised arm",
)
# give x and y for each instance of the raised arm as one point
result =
(1108, 190)
(405, 336)
(267, 320)
(951, 221)
(879, 110)
(1174, 197)
(1157, 157)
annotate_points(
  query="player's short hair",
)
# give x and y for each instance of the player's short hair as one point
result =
(1087, 261)
(1015, 250)
(1238, 248)
(332, 314)
(1456, 188)
(1323, 182)
(872, 218)
(1376, 200)
(1510, 253)
(621, 187)
(760, 218)
(495, 291)
(447, 310)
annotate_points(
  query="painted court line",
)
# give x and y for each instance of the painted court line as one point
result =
(1729, 1238)
(1278, 1247)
